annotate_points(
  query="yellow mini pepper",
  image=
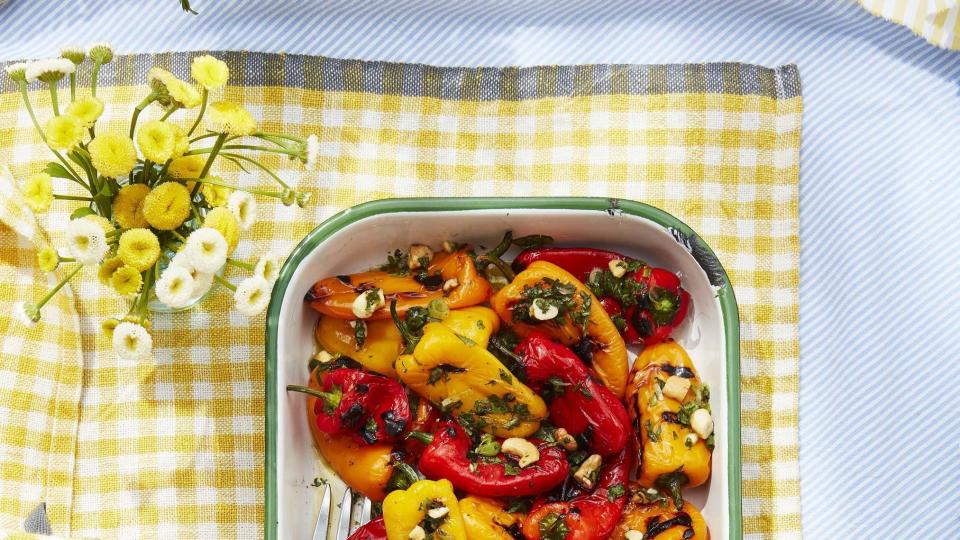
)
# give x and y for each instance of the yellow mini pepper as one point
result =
(380, 349)
(460, 376)
(486, 519)
(607, 347)
(672, 454)
(405, 510)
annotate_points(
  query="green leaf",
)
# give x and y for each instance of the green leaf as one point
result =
(57, 170)
(80, 212)
(553, 526)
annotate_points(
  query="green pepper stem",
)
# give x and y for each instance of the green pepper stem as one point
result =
(494, 257)
(330, 399)
(402, 477)
(425, 438)
(409, 339)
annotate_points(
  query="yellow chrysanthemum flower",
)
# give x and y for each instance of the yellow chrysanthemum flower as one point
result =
(113, 154)
(223, 221)
(64, 132)
(108, 325)
(103, 222)
(209, 72)
(86, 109)
(181, 143)
(187, 166)
(183, 93)
(126, 280)
(107, 268)
(167, 206)
(139, 248)
(48, 259)
(156, 140)
(216, 195)
(38, 192)
(230, 118)
(128, 206)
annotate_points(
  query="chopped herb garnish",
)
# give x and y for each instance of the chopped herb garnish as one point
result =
(624, 290)
(510, 468)
(582, 388)
(553, 526)
(506, 377)
(397, 263)
(547, 293)
(518, 505)
(653, 435)
(488, 446)
(466, 340)
(554, 387)
(359, 333)
(615, 492)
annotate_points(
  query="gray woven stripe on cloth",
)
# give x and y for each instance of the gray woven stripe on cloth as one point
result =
(479, 84)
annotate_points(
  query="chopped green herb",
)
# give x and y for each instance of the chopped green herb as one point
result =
(581, 315)
(488, 446)
(510, 468)
(480, 325)
(466, 340)
(436, 374)
(615, 492)
(653, 435)
(624, 290)
(518, 505)
(397, 263)
(359, 333)
(553, 526)
(582, 388)
(505, 376)
(619, 322)
(554, 387)
(548, 292)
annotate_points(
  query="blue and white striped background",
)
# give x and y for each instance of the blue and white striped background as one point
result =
(879, 191)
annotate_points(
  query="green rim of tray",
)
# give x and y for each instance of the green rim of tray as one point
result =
(728, 308)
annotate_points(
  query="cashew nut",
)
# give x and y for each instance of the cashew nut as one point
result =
(417, 253)
(634, 534)
(367, 302)
(450, 284)
(618, 267)
(565, 439)
(676, 387)
(702, 423)
(586, 475)
(525, 451)
(439, 512)
(417, 533)
(541, 313)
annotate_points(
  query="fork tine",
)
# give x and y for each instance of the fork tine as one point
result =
(323, 520)
(346, 506)
(365, 510)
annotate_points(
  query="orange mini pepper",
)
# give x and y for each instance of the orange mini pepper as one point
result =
(609, 352)
(334, 296)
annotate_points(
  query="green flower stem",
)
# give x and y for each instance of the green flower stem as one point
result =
(203, 109)
(259, 165)
(53, 98)
(73, 87)
(206, 166)
(59, 286)
(151, 97)
(204, 136)
(71, 197)
(167, 114)
(240, 264)
(66, 259)
(219, 279)
(29, 107)
(288, 152)
(94, 74)
(179, 236)
(116, 232)
(282, 136)
(274, 194)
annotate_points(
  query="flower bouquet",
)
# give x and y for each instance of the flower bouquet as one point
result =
(154, 220)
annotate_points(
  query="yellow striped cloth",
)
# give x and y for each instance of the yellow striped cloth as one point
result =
(173, 447)
(937, 21)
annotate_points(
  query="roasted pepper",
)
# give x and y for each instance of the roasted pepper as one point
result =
(425, 418)
(463, 378)
(428, 505)
(371, 530)
(578, 402)
(369, 469)
(484, 469)
(486, 519)
(657, 521)
(646, 302)
(371, 407)
(669, 408)
(335, 296)
(589, 515)
(578, 320)
(381, 347)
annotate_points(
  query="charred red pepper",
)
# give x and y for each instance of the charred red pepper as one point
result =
(372, 530)
(483, 470)
(371, 407)
(646, 303)
(579, 403)
(585, 516)
(425, 418)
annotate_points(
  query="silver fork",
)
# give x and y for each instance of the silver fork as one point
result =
(345, 526)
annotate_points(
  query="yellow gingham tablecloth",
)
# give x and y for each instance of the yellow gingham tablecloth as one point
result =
(937, 21)
(173, 446)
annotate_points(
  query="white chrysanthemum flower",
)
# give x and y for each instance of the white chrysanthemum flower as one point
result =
(268, 268)
(202, 281)
(17, 71)
(252, 296)
(313, 152)
(243, 207)
(87, 241)
(206, 249)
(27, 314)
(49, 70)
(175, 287)
(132, 341)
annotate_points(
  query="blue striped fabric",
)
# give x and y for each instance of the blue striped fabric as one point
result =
(879, 191)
